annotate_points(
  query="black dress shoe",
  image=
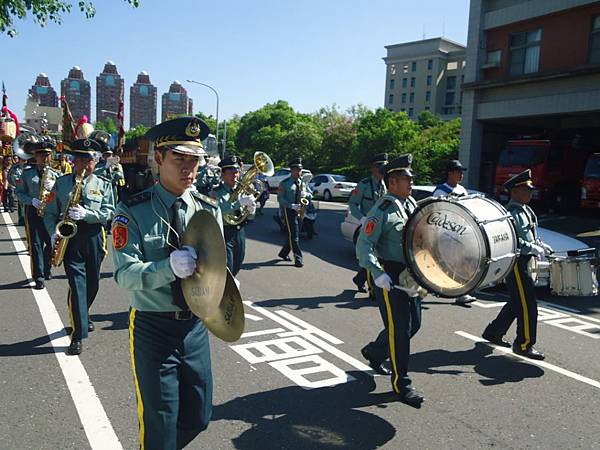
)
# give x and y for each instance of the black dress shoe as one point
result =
(494, 339)
(298, 263)
(91, 326)
(411, 398)
(48, 277)
(377, 367)
(284, 257)
(359, 287)
(74, 348)
(39, 284)
(531, 353)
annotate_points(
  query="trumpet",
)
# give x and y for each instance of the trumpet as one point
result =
(67, 227)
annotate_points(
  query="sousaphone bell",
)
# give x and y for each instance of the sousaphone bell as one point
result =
(211, 292)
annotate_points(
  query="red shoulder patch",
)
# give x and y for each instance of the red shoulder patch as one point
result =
(370, 226)
(119, 236)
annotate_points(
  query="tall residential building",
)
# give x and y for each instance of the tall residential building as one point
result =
(110, 89)
(142, 102)
(176, 101)
(42, 92)
(533, 69)
(77, 91)
(425, 76)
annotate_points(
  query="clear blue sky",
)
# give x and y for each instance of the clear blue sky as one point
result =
(310, 53)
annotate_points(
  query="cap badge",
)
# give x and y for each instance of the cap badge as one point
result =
(192, 130)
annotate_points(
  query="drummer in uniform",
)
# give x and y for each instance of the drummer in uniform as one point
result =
(455, 173)
(87, 248)
(290, 193)
(379, 250)
(362, 199)
(15, 177)
(28, 192)
(235, 236)
(169, 345)
(522, 304)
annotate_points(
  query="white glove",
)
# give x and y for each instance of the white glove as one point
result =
(547, 249)
(247, 200)
(110, 162)
(295, 206)
(183, 261)
(537, 250)
(77, 212)
(363, 220)
(36, 203)
(49, 184)
(384, 281)
(252, 209)
(53, 239)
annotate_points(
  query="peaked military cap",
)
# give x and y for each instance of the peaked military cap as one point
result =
(182, 135)
(296, 162)
(521, 179)
(231, 162)
(379, 159)
(85, 148)
(455, 164)
(102, 138)
(400, 165)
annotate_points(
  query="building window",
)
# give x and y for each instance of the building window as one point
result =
(403, 110)
(450, 98)
(429, 64)
(452, 65)
(448, 110)
(413, 82)
(144, 90)
(411, 112)
(73, 84)
(411, 98)
(525, 52)
(109, 80)
(428, 96)
(595, 42)
(392, 83)
(405, 68)
(427, 108)
(392, 69)
(414, 66)
(404, 82)
(403, 98)
(429, 80)
(391, 99)
(451, 83)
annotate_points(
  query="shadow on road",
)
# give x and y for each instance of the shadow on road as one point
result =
(326, 418)
(118, 320)
(32, 347)
(346, 299)
(22, 284)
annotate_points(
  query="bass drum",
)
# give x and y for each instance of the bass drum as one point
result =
(453, 246)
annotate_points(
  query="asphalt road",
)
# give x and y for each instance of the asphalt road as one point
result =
(296, 380)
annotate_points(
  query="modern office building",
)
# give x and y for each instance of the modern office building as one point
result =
(425, 76)
(533, 69)
(176, 101)
(110, 89)
(77, 92)
(142, 102)
(42, 92)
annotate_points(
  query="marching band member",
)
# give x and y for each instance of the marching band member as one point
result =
(207, 179)
(87, 248)
(290, 193)
(28, 191)
(109, 167)
(235, 236)
(379, 250)
(362, 199)
(522, 304)
(169, 345)
(63, 165)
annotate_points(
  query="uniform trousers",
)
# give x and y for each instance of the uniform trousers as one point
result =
(292, 222)
(173, 379)
(82, 262)
(39, 244)
(522, 305)
(235, 245)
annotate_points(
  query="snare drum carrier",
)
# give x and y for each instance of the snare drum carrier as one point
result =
(454, 245)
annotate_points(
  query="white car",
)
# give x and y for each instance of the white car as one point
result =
(331, 186)
(281, 174)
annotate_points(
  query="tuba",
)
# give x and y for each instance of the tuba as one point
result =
(44, 194)
(262, 165)
(67, 227)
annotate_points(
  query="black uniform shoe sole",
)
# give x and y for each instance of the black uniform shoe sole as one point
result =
(298, 264)
(377, 368)
(529, 354)
(497, 340)
(411, 399)
(75, 348)
(39, 285)
(359, 288)
(48, 277)
(285, 258)
(91, 327)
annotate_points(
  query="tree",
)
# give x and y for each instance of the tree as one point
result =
(43, 11)
(209, 120)
(108, 125)
(136, 132)
(304, 140)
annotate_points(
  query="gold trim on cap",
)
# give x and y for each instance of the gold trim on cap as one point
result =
(191, 143)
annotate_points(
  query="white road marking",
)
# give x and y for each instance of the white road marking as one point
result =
(253, 317)
(96, 424)
(561, 307)
(544, 364)
(488, 304)
(261, 332)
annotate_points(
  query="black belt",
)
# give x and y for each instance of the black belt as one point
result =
(175, 315)
(392, 268)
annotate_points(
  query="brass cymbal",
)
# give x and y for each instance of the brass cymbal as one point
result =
(228, 322)
(203, 291)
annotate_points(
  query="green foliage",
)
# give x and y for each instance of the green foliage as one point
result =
(133, 133)
(43, 11)
(108, 125)
(210, 121)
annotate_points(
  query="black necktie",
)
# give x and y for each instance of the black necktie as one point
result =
(175, 241)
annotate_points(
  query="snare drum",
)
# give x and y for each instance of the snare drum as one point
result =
(455, 245)
(573, 276)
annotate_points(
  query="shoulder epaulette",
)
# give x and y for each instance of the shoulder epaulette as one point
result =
(103, 178)
(385, 204)
(138, 198)
(206, 199)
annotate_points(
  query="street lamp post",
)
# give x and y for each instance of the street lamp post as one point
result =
(217, 117)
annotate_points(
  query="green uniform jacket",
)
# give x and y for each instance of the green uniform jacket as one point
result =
(221, 194)
(96, 198)
(29, 187)
(364, 196)
(286, 194)
(206, 178)
(140, 244)
(114, 174)
(15, 174)
(526, 225)
(381, 237)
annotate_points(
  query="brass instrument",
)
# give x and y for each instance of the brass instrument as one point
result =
(44, 194)
(303, 205)
(262, 164)
(67, 227)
